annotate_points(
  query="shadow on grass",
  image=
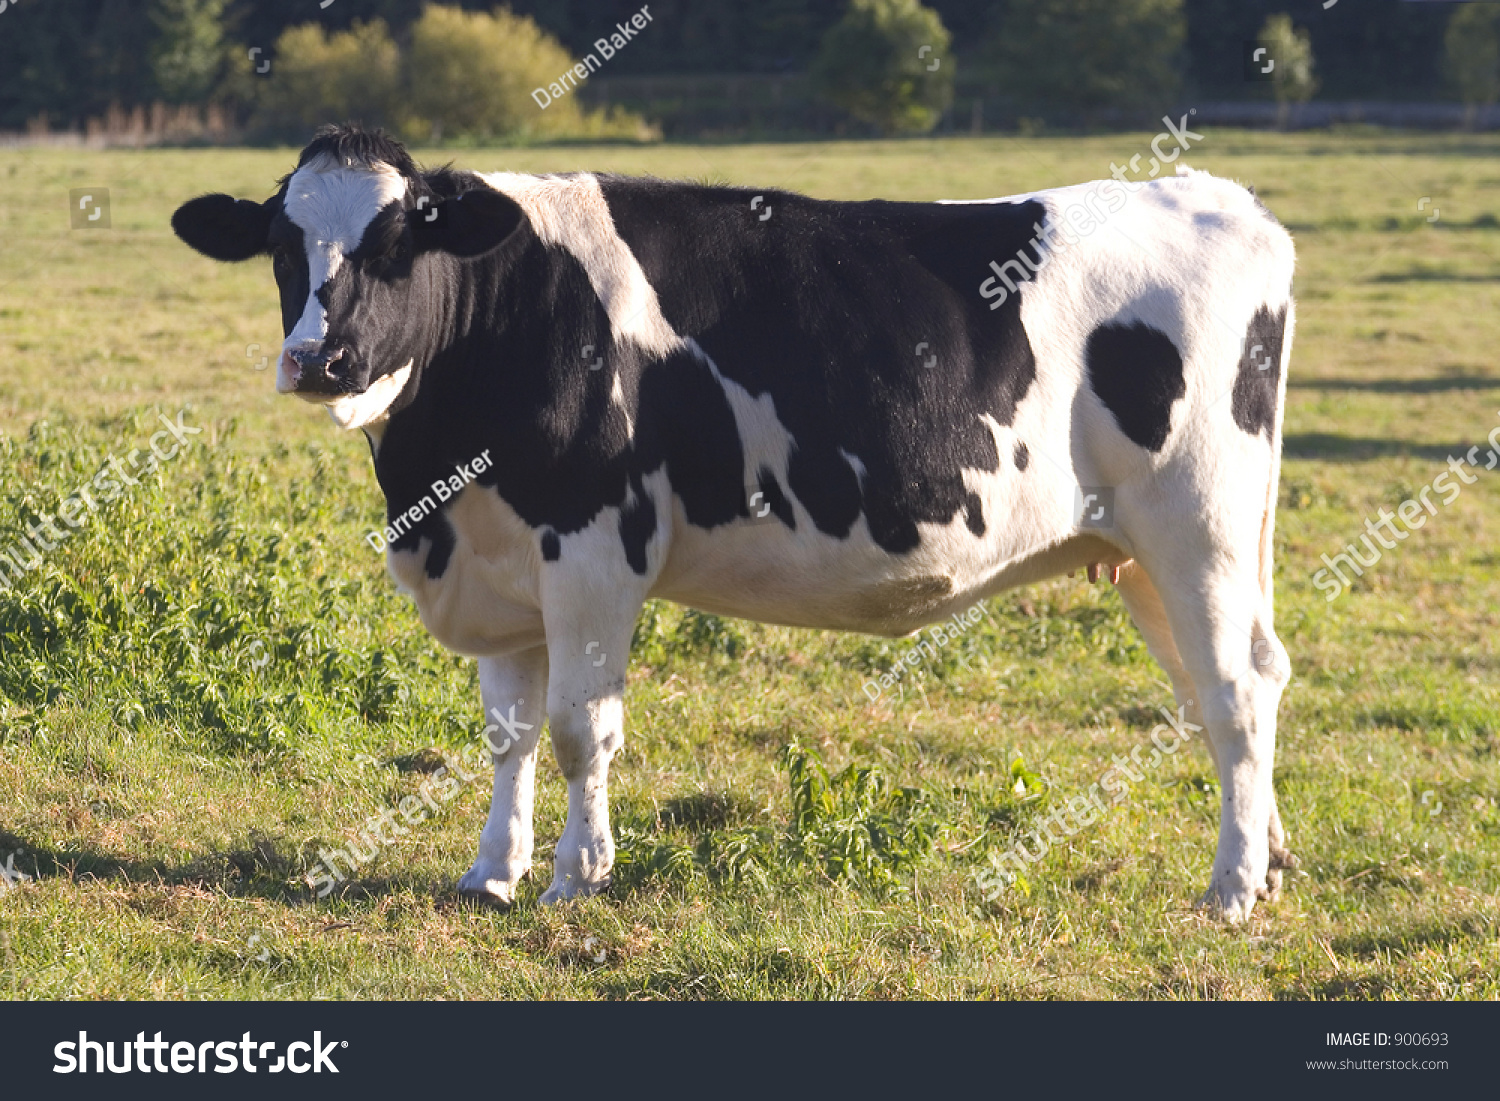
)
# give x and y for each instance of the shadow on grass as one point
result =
(1424, 276)
(1367, 988)
(1330, 447)
(698, 974)
(1441, 385)
(262, 871)
(1404, 942)
(706, 810)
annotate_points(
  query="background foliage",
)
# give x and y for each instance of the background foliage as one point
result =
(73, 58)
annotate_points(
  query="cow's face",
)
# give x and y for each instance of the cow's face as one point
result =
(356, 249)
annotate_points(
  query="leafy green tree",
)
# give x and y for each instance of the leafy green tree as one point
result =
(189, 51)
(1472, 55)
(887, 63)
(318, 77)
(1087, 55)
(1292, 80)
(466, 76)
(471, 75)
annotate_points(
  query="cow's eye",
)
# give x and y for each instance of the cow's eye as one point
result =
(394, 257)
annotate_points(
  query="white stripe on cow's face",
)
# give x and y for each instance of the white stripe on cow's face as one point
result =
(333, 204)
(569, 212)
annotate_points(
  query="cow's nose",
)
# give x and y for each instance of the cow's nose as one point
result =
(316, 359)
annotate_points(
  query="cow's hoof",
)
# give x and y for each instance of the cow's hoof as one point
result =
(571, 888)
(1230, 900)
(497, 893)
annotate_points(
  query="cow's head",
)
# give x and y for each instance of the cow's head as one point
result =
(359, 240)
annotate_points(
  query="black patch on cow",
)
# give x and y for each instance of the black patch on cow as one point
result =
(441, 549)
(822, 306)
(775, 499)
(1258, 381)
(551, 546)
(683, 420)
(974, 514)
(1023, 456)
(1137, 372)
(637, 526)
(434, 527)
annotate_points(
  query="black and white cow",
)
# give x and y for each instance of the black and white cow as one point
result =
(852, 415)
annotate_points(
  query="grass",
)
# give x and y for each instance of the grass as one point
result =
(214, 678)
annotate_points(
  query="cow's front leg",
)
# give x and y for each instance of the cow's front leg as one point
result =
(585, 706)
(514, 690)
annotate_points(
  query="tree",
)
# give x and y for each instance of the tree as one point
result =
(1087, 55)
(466, 75)
(1472, 56)
(188, 53)
(888, 64)
(352, 75)
(1292, 81)
(471, 75)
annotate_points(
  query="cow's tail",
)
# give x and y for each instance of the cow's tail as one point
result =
(1273, 483)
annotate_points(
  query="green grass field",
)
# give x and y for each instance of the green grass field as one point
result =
(214, 678)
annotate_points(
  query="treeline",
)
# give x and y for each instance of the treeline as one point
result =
(71, 60)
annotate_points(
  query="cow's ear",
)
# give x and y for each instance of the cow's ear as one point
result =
(223, 227)
(469, 225)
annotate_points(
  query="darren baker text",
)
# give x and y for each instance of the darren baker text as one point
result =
(443, 489)
(941, 632)
(607, 48)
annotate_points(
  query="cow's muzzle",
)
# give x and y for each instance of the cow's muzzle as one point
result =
(316, 359)
(316, 372)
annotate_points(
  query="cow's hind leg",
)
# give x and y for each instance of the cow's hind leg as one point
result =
(1144, 604)
(514, 690)
(1240, 668)
(1227, 651)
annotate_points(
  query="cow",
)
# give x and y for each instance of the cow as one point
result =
(583, 391)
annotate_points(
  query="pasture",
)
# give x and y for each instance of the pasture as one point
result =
(213, 680)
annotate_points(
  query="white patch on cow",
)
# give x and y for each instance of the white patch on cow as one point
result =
(855, 464)
(569, 212)
(487, 600)
(333, 204)
(359, 410)
(764, 439)
(617, 395)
